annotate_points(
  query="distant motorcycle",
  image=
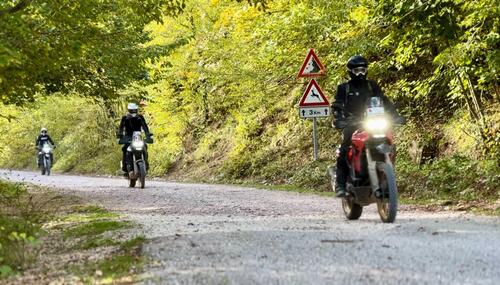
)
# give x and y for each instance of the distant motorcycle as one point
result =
(136, 155)
(371, 158)
(45, 158)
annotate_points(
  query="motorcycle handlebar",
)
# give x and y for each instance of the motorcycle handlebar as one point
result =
(148, 140)
(353, 121)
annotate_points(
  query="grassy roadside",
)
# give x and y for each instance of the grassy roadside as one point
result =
(484, 206)
(417, 188)
(46, 237)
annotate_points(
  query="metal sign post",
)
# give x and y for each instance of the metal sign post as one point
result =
(314, 103)
(315, 139)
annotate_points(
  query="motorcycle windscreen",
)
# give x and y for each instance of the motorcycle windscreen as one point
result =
(375, 107)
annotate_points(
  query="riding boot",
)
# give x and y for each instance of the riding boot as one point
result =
(124, 163)
(340, 191)
(341, 176)
(129, 162)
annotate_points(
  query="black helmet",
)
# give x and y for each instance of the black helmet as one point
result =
(358, 67)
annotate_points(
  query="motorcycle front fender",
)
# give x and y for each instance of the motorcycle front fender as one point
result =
(384, 148)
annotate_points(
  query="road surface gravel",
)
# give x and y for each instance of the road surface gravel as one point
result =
(220, 234)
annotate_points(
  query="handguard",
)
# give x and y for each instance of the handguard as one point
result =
(122, 140)
(340, 124)
(400, 120)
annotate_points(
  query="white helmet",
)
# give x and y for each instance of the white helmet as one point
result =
(132, 108)
(43, 130)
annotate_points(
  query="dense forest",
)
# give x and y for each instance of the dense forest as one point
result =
(218, 79)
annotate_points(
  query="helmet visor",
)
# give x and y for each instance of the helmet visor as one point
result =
(359, 70)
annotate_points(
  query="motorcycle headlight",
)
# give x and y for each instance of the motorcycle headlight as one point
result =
(376, 125)
(138, 145)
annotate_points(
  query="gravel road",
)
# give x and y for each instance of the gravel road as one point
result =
(219, 234)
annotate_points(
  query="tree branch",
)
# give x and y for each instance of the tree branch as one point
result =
(19, 6)
(8, 117)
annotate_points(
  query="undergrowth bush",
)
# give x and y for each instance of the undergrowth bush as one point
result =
(456, 177)
(20, 228)
(83, 131)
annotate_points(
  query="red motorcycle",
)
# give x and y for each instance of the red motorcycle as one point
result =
(371, 159)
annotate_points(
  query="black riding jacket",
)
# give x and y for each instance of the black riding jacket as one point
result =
(41, 139)
(131, 124)
(352, 98)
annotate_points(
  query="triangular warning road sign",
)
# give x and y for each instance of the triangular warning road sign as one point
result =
(311, 67)
(313, 96)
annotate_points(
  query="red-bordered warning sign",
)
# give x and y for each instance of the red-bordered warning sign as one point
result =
(313, 96)
(311, 67)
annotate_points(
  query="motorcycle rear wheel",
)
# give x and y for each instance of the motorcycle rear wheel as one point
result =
(387, 206)
(352, 210)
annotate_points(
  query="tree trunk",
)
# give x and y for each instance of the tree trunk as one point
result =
(470, 105)
(19, 6)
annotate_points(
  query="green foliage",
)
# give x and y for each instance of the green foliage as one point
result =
(118, 266)
(89, 213)
(95, 227)
(92, 222)
(92, 47)
(20, 228)
(91, 209)
(455, 177)
(228, 95)
(95, 242)
(5, 271)
(133, 243)
(125, 262)
(313, 175)
(23, 214)
(222, 93)
(82, 129)
(98, 228)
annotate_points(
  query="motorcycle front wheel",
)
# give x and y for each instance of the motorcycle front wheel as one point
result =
(131, 182)
(142, 174)
(45, 166)
(48, 165)
(352, 210)
(388, 204)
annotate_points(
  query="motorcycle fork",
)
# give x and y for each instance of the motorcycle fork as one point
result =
(352, 170)
(135, 161)
(46, 158)
(372, 170)
(134, 164)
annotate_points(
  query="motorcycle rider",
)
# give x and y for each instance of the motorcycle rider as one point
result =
(350, 103)
(43, 138)
(130, 123)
